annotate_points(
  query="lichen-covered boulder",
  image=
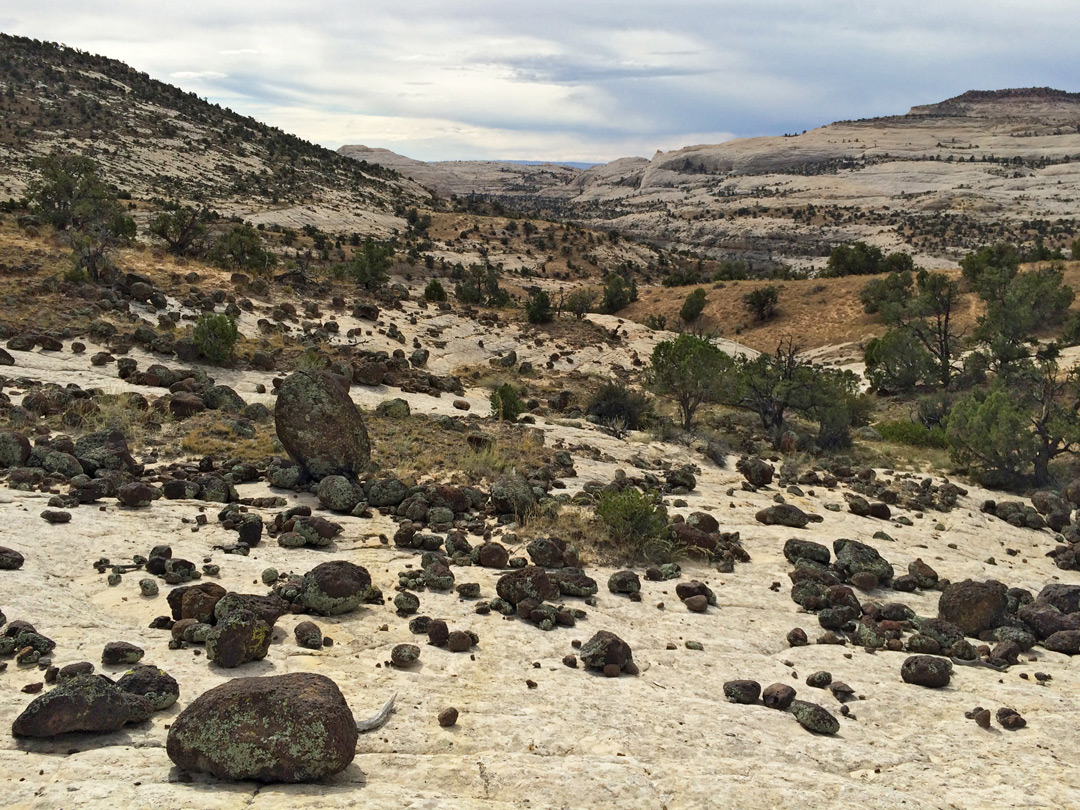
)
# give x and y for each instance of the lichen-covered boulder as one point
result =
(853, 557)
(10, 559)
(530, 582)
(927, 670)
(14, 449)
(156, 685)
(238, 638)
(320, 426)
(814, 718)
(511, 495)
(333, 588)
(605, 650)
(85, 703)
(796, 549)
(283, 728)
(339, 494)
(973, 606)
(105, 450)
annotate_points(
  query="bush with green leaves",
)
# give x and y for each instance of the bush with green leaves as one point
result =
(616, 405)
(897, 362)
(762, 302)
(913, 434)
(242, 248)
(693, 306)
(693, 371)
(69, 194)
(506, 403)
(183, 229)
(370, 264)
(637, 522)
(657, 322)
(215, 336)
(579, 302)
(618, 293)
(538, 308)
(434, 291)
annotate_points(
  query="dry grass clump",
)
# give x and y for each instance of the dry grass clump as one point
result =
(213, 434)
(417, 447)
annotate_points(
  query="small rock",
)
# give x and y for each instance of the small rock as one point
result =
(448, 717)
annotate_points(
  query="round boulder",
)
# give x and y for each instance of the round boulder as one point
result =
(283, 728)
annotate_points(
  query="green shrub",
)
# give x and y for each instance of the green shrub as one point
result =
(215, 337)
(618, 293)
(615, 404)
(913, 434)
(506, 403)
(538, 308)
(693, 306)
(434, 291)
(657, 323)
(762, 302)
(637, 522)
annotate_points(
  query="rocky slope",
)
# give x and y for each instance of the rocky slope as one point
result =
(155, 141)
(939, 181)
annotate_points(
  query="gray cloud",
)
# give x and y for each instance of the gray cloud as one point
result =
(570, 80)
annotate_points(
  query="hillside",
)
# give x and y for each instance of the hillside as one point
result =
(939, 181)
(155, 141)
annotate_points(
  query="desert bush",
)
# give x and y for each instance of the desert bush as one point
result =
(242, 248)
(657, 323)
(637, 522)
(762, 302)
(693, 306)
(618, 293)
(506, 403)
(434, 291)
(538, 308)
(215, 336)
(579, 302)
(913, 434)
(615, 403)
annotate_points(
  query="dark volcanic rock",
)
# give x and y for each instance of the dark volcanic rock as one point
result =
(973, 606)
(529, 582)
(814, 718)
(927, 670)
(156, 685)
(118, 653)
(778, 696)
(624, 582)
(320, 426)
(85, 703)
(742, 691)
(333, 588)
(783, 514)
(10, 559)
(308, 635)
(757, 472)
(238, 638)
(283, 728)
(853, 557)
(607, 649)
(1065, 598)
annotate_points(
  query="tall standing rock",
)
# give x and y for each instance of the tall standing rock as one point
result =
(320, 426)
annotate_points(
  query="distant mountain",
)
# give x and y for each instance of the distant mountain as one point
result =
(155, 140)
(941, 180)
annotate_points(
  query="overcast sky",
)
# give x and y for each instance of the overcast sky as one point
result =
(579, 80)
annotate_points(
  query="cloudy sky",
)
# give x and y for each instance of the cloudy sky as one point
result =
(584, 80)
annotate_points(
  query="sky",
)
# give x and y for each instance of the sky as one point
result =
(583, 80)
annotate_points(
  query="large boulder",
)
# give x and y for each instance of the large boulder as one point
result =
(973, 606)
(530, 582)
(319, 425)
(606, 650)
(757, 472)
(105, 450)
(284, 728)
(85, 703)
(238, 638)
(853, 557)
(784, 514)
(511, 495)
(334, 587)
(14, 449)
(10, 559)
